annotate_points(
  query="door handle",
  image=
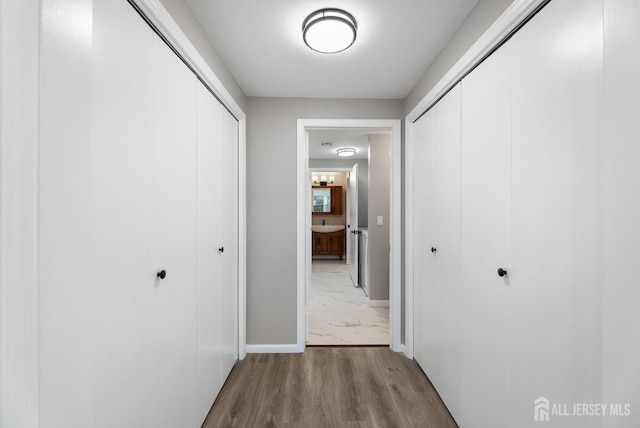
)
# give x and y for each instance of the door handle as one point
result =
(501, 272)
(162, 274)
(433, 250)
(221, 250)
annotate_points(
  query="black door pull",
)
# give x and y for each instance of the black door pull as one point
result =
(433, 250)
(501, 272)
(162, 274)
(221, 250)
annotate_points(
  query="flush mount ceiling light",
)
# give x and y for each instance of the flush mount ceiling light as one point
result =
(329, 30)
(347, 151)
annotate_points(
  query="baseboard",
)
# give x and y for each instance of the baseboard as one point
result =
(272, 349)
(379, 303)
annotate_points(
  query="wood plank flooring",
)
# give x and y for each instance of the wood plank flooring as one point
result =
(329, 387)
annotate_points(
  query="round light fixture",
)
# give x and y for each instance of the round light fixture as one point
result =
(347, 151)
(329, 30)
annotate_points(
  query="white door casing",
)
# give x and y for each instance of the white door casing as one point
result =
(303, 226)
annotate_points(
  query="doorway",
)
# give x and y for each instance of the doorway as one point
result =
(304, 223)
(339, 306)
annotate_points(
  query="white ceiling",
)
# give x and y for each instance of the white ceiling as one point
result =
(261, 43)
(358, 139)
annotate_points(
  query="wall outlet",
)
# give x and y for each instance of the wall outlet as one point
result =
(380, 220)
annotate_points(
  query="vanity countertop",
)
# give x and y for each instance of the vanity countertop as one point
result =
(326, 228)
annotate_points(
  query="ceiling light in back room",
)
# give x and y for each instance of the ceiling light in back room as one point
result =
(329, 30)
(347, 151)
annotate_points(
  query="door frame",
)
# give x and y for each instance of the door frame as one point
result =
(303, 226)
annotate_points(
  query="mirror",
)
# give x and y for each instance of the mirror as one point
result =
(326, 200)
(322, 200)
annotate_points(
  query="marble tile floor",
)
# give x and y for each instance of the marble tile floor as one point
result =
(339, 313)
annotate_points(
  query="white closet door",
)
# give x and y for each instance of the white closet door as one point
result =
(228, 226)
(486, 242)
(556, 198)
(123, 283)
(210, 320)
(424, 240)
(437, 222)
(445, 288)
(174, 239)
(621, 299)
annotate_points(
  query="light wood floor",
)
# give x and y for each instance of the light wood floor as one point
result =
(329, 387)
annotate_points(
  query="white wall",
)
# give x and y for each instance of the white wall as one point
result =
(271, 207)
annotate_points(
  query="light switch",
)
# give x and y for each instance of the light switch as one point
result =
(380, 220)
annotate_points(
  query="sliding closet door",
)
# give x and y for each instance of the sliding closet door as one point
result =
(621, 299)
(437, 244)
(210, 207)
(174, 239)
(424, 227)
(486, 241)
(556, 206)
(217, 247)
(228, 226)
(124, 282)
(445, 288)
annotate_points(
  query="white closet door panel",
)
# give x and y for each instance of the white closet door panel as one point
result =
(621, 331)
(228, 209)
(557, 81)
(210, 322)
(174, 239)
(424, 239)
(445, 288)
(123, 281)
(65, 273)
(486, 242)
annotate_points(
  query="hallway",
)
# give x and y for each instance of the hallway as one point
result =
(339, 313)
(335, 387)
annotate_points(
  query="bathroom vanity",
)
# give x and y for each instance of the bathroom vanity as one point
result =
(327, 240)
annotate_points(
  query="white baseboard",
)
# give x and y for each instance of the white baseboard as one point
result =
(379, 303)
(272, 349)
